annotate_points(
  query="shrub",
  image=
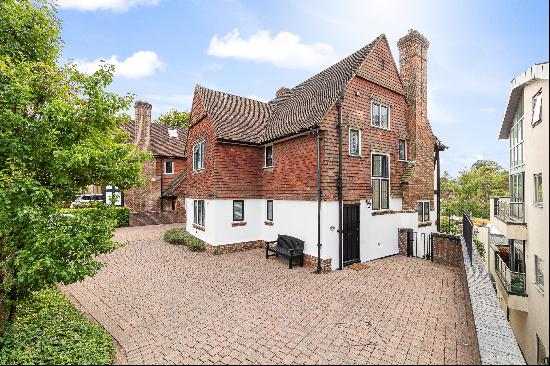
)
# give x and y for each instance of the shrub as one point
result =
(180, 236)
(48, 330)
(175, 236)
(121, 215)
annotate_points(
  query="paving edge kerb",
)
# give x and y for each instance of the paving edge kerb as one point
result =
(496, 341)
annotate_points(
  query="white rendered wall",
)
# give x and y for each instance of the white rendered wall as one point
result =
(378, 234)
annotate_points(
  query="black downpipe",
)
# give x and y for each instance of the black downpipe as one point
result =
(339, 182)
(319, 269)
(438, 189)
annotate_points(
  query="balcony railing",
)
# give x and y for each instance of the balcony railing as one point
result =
(509, 211)
(514, 282)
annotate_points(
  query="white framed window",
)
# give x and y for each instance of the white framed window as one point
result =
(423, 210)
(269, 213)
(516, 138)
(355, 142)
(198, 212)
(538, 189)
(539, 273)
(168, 167)
(268, 156)
(402, 150)
(198, 156)
(238, 210)
(380, 172)
(380, 116)
(537, 108)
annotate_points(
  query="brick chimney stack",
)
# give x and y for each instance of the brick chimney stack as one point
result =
(143, 125)
(413, 62)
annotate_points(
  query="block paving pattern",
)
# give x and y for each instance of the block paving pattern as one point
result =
(167, 305)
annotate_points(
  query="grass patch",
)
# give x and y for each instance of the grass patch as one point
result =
(49, 330)
(182, 237)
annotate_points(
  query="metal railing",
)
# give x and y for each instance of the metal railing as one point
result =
(467, 233)
(510, 211)
(514, 282)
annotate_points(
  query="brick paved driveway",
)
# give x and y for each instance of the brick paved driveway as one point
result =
(164, 304)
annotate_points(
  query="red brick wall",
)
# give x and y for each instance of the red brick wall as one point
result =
(147, 197)
(167, 179)
(238, 171)
(357, 114)
(294, 172)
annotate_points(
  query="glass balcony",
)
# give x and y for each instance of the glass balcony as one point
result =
(514, 282)
(507, 211)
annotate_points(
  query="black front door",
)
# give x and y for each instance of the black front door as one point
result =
(351, 234)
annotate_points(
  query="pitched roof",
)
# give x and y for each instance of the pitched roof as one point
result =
(161, 143)
(235, 118)
(295, 110)
(304, 106)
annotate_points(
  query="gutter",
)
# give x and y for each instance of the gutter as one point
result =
(319, 269)
(339, 181)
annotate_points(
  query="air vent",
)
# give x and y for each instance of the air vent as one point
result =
(173, 133)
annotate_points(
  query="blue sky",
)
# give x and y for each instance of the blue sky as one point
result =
(162, 48)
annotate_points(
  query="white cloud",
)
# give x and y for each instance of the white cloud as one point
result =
(114, 5)
(489, 110)
(285, 49)
(140, 64)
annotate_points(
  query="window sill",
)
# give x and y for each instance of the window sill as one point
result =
(533, 124)
(198, 171)
(268, 223)
(238, 223)
(425, 224)
(199, 227)
(538, 205)
(381, 128)
(268, 167)
(169, 173)
(403, 161)
(383, 211)
(355, 156)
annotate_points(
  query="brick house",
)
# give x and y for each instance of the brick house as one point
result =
(156, 202)
(255, 169)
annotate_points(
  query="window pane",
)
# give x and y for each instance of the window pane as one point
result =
(385, 170)
(377, 165)
(270, 210)
(268, 156)
(419, 209)
(375, 194)
(384, 117)
(376, 114)
(384, 194)
(238, 210)
(426, 211)
(402, 150)
(354, 142)
(537, 108)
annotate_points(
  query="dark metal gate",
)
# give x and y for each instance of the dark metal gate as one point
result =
(351, 234)
(419, 245)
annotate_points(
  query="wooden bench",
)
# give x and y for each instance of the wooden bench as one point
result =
(287, 246)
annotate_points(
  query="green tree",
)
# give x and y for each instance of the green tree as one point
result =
(59, 132)
(473, 188)
(174, 118)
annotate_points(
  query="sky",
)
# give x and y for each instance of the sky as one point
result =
(162, 48)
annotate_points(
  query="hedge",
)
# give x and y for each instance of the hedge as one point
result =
(180, 236)
(48, 330)
(120, 214)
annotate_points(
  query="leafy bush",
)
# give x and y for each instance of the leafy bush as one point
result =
(121, 215)
(450, 226)
(175, 236)
(180, 236)
(47, 329)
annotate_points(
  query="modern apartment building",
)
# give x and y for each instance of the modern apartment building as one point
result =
(520, 266)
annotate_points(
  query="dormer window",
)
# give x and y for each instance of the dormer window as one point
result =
(268, 156)
(380, 116)
(172, 133)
